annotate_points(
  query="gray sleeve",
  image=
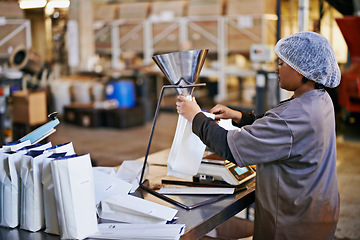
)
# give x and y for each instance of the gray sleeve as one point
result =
(267, 139)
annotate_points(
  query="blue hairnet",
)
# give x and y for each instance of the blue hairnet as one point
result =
(311, 55)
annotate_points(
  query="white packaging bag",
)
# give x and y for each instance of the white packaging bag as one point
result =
(106, 186)
(31, 198)
(67, 148)
(50, 212)
(9, 190)
(186, 150)
(130, 171)
(75, 197)
(9, 181)
(14, 146)
(130, 209)
(51, 218)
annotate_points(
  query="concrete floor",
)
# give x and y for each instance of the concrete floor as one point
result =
(109, 147)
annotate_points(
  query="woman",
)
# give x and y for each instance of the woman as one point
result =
(292, 145)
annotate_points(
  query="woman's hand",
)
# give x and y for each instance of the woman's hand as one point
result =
(187, 108)
(222, 112)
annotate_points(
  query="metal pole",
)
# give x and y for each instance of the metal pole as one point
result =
(303, 15)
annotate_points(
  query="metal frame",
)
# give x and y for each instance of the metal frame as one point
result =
(23, 24)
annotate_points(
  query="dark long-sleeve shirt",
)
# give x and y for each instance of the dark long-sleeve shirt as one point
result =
(208, 129)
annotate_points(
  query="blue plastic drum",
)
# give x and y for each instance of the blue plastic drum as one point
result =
(123, 91)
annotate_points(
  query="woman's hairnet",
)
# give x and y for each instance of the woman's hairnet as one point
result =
(311, 55)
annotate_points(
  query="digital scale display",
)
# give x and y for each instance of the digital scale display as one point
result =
(240, 170)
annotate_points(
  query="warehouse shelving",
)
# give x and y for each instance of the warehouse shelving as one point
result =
(216, 37)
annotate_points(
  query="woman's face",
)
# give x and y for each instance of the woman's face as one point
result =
(289, 79)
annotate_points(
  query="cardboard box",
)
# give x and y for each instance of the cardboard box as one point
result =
(250, 7)
(241, 37)
(18, 40)
(125, 117)
(170, 41)
(134, 36)
(176, 7)
(11, 10)
(197, 40)
(138, 10)
(29, 107)
(206, 8)
(105, 12)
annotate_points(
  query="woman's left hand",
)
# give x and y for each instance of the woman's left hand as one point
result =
(187, 108)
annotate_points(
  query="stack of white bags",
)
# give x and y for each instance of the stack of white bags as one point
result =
(50, 188)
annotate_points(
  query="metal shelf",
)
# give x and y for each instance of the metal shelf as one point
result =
(212, 32)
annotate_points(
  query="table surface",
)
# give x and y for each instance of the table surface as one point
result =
(198, 221)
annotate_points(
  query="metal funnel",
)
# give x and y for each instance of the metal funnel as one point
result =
(182, 68)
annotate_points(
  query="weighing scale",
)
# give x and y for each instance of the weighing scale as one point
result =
(217, 170)
(182, 69)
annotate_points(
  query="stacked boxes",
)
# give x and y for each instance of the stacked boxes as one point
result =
(251, 22)
(206, 8)
(29, 107)
(165, 29)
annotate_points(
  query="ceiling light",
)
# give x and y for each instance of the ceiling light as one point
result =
(25, 4)
(58, 4)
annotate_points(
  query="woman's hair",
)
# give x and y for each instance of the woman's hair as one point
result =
(317, 85)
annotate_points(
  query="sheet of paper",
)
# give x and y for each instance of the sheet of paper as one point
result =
(139, 231)
(227, 124)
(196, 190)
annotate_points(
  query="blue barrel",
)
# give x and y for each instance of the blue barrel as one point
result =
(123, 91)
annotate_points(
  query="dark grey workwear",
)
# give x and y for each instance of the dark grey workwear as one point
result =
(294, 148)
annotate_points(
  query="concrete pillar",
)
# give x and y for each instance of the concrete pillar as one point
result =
(81, 16)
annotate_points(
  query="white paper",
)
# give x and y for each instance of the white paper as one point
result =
(31, 198)
(139, 231)
(107, 186)
(130, 209)
(130, 171)
(186, 151)
(196, 190)
(227, 124)
(75, 197)
(51, 217)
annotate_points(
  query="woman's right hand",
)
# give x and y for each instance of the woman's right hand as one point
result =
(223, 112)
